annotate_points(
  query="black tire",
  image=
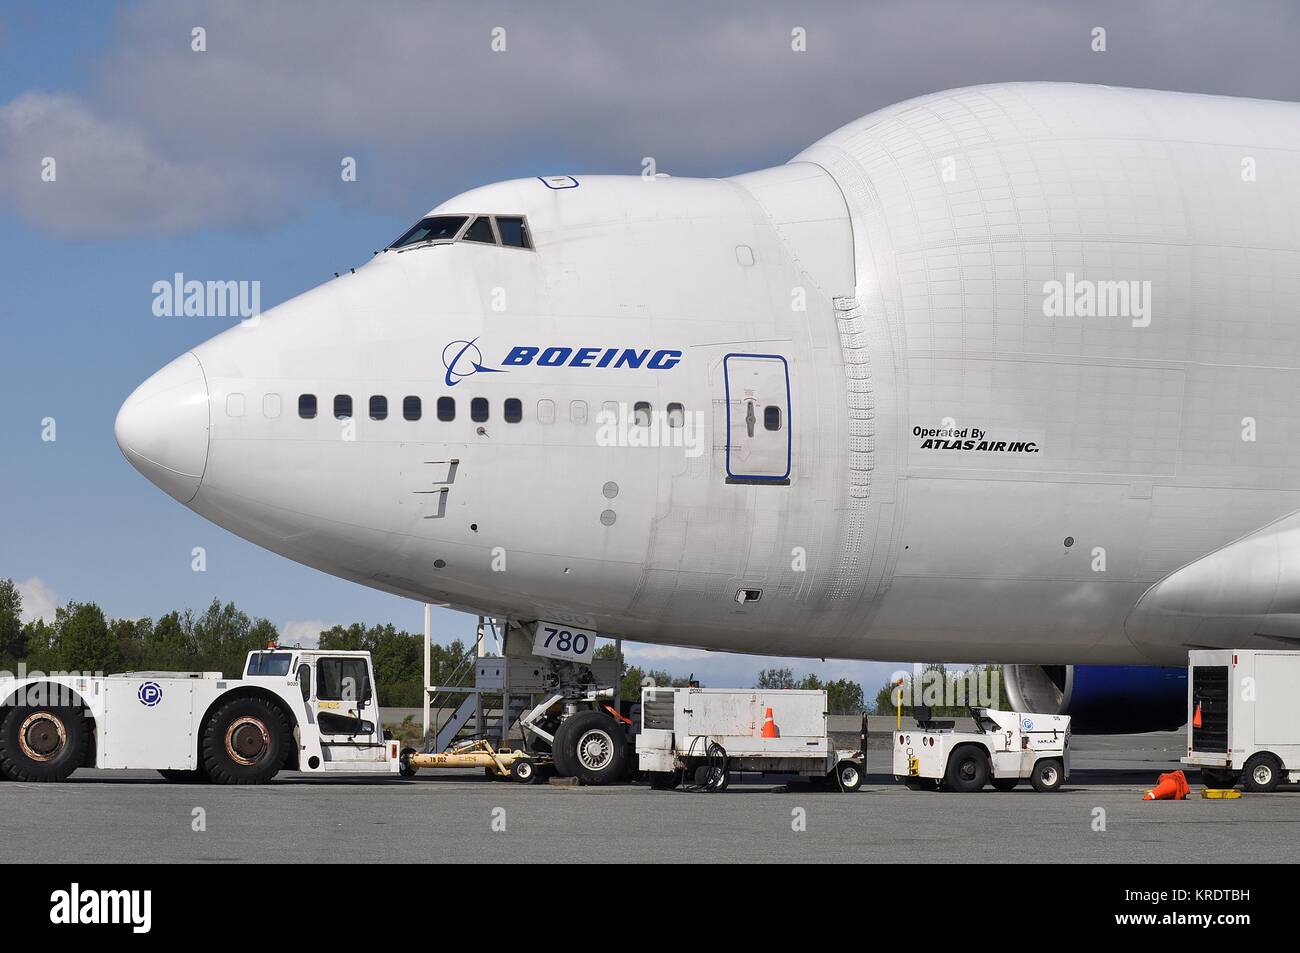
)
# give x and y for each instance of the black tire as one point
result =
(42, 742)
(561, 757)
(1047, 775)
(246, 741)
(847, 776)
(1005, 784)
(1262, 773)
(1219, 779)
(592, 747)
(968, 770)
(664, 780)
(524, 771)
(405, 768)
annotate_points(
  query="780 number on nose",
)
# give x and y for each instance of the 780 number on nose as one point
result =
(564, 642)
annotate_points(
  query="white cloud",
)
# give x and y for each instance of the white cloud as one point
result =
(109, 179)
(39, 600)
(254, 129)
(304, 632)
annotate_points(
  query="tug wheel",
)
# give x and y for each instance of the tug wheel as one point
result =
(246, 741)
(42, 742)
(1047, 775)
(848, 776)
(968, 770)
(1262, 773)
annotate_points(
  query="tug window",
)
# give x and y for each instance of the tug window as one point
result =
(411, 408)
(480, 231)
(342, 406)
(771, 418)
(478, 409)
(676, 415)
(446, 408)
(378, 407)
(306, 406)
(641, 413)
(514, 410)
(432, 229)
(514, 231)
(343, 679)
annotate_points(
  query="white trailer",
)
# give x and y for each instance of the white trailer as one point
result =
(306, 710)
(1005, 748)
(705, 734)
(1243, 717)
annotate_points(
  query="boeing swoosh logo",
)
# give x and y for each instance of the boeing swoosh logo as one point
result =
(463, 359)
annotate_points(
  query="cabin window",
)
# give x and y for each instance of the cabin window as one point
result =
(771, 417)
(432, 229)
(641, 413)
(378, 407)
(271, 406)
(480, 231)
(578, 411)
(342, 406)
(514, 410)
(546, 411)
(478, 409)
(676, 415)
(446, 408)
(514, 231)
(411, 408)
(306, 406)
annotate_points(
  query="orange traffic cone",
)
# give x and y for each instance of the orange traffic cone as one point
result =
(1172, 786)
(1196, 716)
(769, 726)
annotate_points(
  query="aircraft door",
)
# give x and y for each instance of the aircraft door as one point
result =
(759, 436)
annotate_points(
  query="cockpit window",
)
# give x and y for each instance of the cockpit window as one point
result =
(514, 232)
(436, 228)
(480, 231)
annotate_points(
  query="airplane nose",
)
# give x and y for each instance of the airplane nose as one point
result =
(162, 427)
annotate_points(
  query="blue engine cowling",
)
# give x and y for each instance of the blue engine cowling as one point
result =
(1101, 699)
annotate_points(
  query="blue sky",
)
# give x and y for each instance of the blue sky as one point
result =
(224, 164)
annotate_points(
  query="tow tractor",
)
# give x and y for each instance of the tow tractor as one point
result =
(307, 710)
(1006, 747)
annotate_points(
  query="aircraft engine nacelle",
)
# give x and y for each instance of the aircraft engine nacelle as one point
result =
(1101, 699)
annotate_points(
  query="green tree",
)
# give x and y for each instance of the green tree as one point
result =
(171, 644)
(38, 638)
(82, 639)
(844, 697)
(13, 641)
(776, 678)
(131, 639)
(223, 636)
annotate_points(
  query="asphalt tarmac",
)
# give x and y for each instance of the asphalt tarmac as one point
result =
(1097, 817)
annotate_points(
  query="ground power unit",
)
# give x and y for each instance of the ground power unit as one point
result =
(1243, 717)
(704, 735)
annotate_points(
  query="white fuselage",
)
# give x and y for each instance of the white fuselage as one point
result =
(1082, 289)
